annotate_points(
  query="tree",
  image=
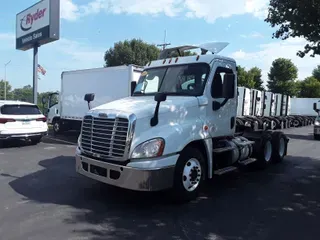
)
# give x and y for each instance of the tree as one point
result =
(316, 72)
(134, 51)
(297, 18)
(310, 88)
(256, 75)
(282, 77)
(8, 92)
(244, 80)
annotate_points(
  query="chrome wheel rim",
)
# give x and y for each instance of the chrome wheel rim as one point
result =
(281, 147)
(191, 176)
(267, 151)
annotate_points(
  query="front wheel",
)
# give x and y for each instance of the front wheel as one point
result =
(189, 175)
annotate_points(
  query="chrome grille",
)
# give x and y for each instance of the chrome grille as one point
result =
(104, 137)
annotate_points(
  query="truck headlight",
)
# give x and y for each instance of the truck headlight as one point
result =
(317, 123)
(150, 148)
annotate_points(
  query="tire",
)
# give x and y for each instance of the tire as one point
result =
(1, 143)
(194, 157)
(279, 146)
(316, 137)
(262, 151)
(56, 126)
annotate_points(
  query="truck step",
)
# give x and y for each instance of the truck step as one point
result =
(223, 149)
(225, 170)
(247, 161)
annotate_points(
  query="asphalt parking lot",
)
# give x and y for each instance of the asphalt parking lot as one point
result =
(43, 198)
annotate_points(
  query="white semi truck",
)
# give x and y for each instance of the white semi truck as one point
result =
(107, 84)
(176, 130)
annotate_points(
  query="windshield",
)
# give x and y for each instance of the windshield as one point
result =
(20, 110)
(188, 80)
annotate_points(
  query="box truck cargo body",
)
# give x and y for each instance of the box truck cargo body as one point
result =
(107, 84)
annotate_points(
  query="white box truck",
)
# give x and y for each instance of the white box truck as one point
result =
(106, 85)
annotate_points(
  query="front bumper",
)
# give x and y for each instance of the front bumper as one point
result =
(134, 177)
(22, 135)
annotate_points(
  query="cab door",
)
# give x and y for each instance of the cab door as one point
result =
(221, 92)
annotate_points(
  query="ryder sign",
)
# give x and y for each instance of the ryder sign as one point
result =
(38, 24)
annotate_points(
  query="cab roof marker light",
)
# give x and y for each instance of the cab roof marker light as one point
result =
(198, 57)
(176, 60)
(170, 60)
(164, 61)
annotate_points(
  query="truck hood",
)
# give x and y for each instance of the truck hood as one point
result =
(144, 106)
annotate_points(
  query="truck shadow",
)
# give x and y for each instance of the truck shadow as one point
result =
(249, 205)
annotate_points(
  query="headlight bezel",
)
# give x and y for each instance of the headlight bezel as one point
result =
(141, 154)
(79, 141)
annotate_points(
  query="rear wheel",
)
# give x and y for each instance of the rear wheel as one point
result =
(279, 146)
(189, 175)
(263, 151)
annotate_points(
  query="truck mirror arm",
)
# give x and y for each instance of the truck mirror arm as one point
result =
(159, 97)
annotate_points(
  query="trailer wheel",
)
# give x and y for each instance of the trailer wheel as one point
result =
(189, 175)
(279, 146)
(263, 151)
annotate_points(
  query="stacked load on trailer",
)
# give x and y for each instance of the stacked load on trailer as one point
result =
(267, 110)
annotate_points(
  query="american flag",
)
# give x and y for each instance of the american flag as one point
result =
(41, 70)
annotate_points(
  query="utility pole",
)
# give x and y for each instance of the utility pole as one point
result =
(5, 80)
(164, 44)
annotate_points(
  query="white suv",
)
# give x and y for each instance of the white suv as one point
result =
(21, 120)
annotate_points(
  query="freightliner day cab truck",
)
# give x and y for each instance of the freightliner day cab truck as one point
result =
(176, 130)
(107, 84)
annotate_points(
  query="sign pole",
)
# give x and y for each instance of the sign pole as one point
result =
(35, 73)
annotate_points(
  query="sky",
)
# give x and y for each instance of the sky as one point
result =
(90, 27)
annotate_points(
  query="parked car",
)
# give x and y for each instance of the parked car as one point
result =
(21, 120)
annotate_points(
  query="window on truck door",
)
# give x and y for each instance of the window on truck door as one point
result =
(217, 87)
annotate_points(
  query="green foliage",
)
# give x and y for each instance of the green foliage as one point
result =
(316, 72)
(8, 92)
(282, 77)
(128, 52)
(297, 18)
(251, 78)
(309, 88)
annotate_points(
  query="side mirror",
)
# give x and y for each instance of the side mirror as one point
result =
(228, 85)
(264, 106)
(133, 86)
(315, 106)
(44, 100)
(89, 97)
(160, 97)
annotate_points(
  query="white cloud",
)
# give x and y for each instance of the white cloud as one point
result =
(269, 52)
(252, 35)
(210, 10)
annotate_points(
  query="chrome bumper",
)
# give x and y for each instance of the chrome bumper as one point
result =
(22, 135)
(133, 178)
